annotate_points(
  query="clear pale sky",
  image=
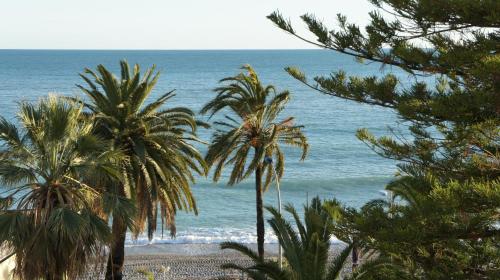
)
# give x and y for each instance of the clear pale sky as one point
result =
(161, 24)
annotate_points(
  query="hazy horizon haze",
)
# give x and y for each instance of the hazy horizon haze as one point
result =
(163, 25)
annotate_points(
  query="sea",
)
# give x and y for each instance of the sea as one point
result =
(338, 165)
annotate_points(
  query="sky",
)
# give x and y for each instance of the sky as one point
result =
(162, 24)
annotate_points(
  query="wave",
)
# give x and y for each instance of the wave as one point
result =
(207, 236)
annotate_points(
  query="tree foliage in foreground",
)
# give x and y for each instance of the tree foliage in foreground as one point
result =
(252, 130)
(52, 163)
(445, 225)
(306, 251)
(158, 144)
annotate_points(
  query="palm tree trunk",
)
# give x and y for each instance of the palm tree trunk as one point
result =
(355, 257)
(49, 276)
(260, 211)
(116, 258)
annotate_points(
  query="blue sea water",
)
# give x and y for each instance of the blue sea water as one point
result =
(338, 164)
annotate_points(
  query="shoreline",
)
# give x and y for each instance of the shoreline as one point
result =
(184, 261)
(190, 249)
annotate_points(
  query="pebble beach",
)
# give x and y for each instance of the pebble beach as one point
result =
(184, 261)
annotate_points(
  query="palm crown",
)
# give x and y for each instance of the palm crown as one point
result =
(252, 128)
(255, 128)
(48, 218)
(161, 158)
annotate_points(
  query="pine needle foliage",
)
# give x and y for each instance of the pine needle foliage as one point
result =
(444, 224)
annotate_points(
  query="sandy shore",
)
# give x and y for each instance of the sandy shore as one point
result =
(183, 261)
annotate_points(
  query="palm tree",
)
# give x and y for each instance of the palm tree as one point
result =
(252, 129)
(305, 251)
(158, 144)
(48, 218)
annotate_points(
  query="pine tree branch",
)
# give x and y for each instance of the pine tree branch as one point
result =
(345, 97)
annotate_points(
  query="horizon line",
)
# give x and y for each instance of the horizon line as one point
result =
(187, 49)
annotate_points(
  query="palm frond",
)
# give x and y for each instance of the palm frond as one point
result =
(305, 252)
(157, 142)
(50, 214)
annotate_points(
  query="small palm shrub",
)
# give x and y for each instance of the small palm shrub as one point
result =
(305, 250)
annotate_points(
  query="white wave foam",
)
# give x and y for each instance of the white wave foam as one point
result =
(207, 236)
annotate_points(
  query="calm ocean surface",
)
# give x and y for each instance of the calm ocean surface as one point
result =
(338, 164)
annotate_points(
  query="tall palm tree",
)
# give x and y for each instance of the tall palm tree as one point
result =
(251, 128)
(48, 217)
(158, 144)
(306, 251)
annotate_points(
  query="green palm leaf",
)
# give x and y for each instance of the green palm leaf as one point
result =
(305, 252)
(158, 144)
(250, 134)
(52, 211)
